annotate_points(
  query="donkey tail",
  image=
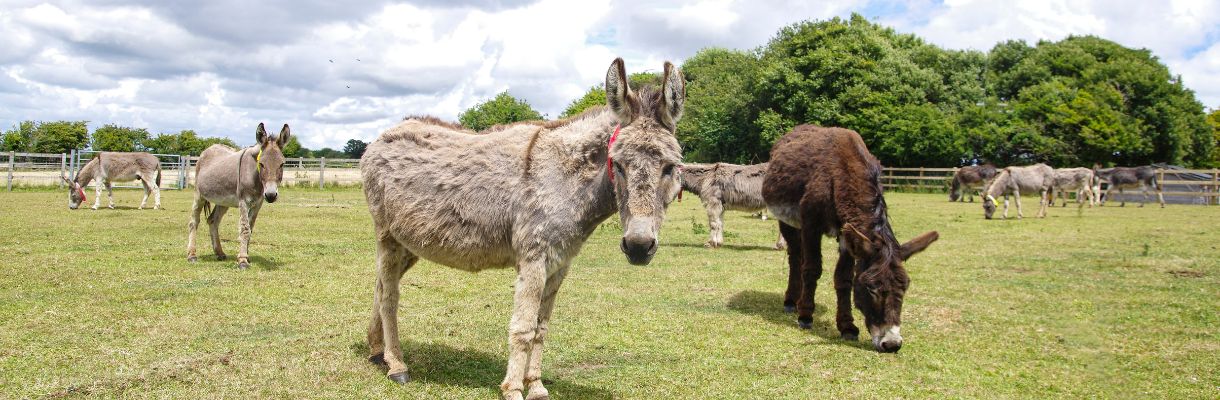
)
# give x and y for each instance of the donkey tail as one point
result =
(158, 176)
(207, 209)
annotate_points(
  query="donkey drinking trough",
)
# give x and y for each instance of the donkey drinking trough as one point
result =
(226, 178)
(967, 179)
(109, 167)
(722, 186)
(1016, 180)
(526, 195)
(1121, 178)
(824, 181)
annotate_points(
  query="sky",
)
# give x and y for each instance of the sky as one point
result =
(341, 70)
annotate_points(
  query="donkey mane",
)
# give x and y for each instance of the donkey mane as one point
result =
(880, 226)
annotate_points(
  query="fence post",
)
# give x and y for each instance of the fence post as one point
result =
(63, 165)
(11, 156)
(72, 164)
(322, 173)
(1215, 189)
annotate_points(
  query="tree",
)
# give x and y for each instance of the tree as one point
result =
(354, 148)
(327, 152)
(1213, 119)
(185, 142)
(596, 96)
(294, 149)
(721, 120)
(502, 109)
(112, 137)
(59, 136)
(18, 138)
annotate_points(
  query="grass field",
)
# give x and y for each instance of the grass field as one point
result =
(1106, 303)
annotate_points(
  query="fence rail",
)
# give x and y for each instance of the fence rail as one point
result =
(1192, 186)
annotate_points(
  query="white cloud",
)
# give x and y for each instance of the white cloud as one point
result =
(336, 71)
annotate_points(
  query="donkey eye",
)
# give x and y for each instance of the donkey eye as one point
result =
(668, 170)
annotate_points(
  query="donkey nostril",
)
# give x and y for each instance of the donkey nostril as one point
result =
(622, 245)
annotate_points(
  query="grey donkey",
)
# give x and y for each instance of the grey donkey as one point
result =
(1121, 178)
(228, 178)
(1016, 180)
(526, 196)
(1080, 180)
(109, 167)
(724, 186)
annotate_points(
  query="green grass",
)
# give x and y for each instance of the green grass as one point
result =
(1109, 303)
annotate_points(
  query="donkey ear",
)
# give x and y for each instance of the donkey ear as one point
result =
(916, 245)
(618, 92)
(282, 139)
(673, 88)
(66, 180)
(857, 241)
(260, 134)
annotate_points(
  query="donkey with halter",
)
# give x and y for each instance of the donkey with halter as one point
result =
(1121, 178)
(110, 167)
(525, 195)
(722, 186)
(1080, 180)
(824, 181)
(227, 178)
(969, 179)
(1016, 180)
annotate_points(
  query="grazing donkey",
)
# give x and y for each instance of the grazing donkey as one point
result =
(525, 195)
(969, 179)
(723, 186)
(109, 167)
(824, 181)
(1080, 180)
(226, 178)
(1121, 178)
(1016, 180)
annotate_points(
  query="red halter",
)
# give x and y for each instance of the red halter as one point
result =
(610, 160)
(82, 194)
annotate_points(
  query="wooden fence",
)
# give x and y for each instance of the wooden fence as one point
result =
(1191, 186)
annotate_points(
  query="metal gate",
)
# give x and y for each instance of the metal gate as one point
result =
(173, 169)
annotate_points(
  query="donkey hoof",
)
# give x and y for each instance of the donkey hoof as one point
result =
(221, 257)
(400, 378)
(789, 309)
(378, 359)
(243, 265)
(192, 259)
(851, 337)
(805, 323)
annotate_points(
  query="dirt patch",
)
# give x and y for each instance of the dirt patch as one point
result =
(1186, 273)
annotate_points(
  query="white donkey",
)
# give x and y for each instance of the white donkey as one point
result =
(1079, 180)
(1016, 180)
(109, 167)
(525, 195)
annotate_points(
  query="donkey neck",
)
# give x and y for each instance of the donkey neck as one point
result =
(248, 180)
(584, 137)
(90, 171)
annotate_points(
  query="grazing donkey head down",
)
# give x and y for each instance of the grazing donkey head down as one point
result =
(76, 194)
(270, 160)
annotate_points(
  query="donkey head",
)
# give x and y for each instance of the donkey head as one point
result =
(76, 194)
(644, 156)
(882, 282)
(989, 205)
(269, 160)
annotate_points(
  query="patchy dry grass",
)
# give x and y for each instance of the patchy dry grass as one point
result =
(1108, 303)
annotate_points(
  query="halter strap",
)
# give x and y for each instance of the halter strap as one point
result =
(609, 159)
(82, 194)
(258, 160)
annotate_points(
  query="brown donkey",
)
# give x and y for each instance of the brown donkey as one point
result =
(722, 186)
(228, 178)
(824, 181)
(969, 179)
(109, 167)
(525, 195)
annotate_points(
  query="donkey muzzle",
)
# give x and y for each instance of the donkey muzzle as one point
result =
(271, 192)
(270, 197)
(639, 248)
(887, 339)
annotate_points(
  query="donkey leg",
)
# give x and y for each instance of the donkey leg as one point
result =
(110, 195)
(144, 200)
(844, 274)
(192, 227)
(533, 376)
(715, 223)
(156, 196)
(1143, 195)
(793, 236)
(811, 270)
(781, 243)
(218, 212)
(97, 194)
(243, 234)
(523, 327)
(384, 345)
(1123, 202)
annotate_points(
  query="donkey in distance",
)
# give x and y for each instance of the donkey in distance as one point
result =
(969, 179)
(1121, 178)
(229, 178)
(824, 181)
(525, 195)
(110, 167)
(722, 186)
(1079, 180)
(1016, 180)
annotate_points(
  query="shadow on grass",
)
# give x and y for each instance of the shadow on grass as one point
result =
(230, 261)
(770, 306)
(733, 247)
(444, 365)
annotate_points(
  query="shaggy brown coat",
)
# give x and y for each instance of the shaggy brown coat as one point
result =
(526, 195)
(824, 181)
(969, 179)
(1143, 178)
(724, 186)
